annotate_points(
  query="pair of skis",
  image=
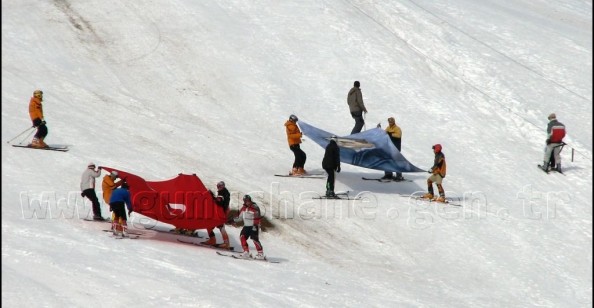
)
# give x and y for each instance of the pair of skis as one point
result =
(206, 246)
(50, 147)
(304, 176)
(385, 180)
(432, 200)
(547, 171)
(344, 195)
(238, 256)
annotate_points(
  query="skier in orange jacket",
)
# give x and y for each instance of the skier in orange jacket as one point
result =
(36, 114)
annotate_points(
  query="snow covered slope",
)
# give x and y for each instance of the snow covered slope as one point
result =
(205, 86)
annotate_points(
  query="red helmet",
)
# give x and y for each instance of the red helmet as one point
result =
(436, 148)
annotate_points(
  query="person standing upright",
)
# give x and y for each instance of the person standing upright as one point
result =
(356, 107)
(36, 114)
(555, 135)
(251, 216)
(395, 134)
(87, 186)
(438, 172)
(331, 163)
(294, 138)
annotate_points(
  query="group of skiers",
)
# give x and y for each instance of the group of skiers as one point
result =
(117, 195)
(331, 160)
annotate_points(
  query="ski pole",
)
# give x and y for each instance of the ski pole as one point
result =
(9, 141)
(364, 123)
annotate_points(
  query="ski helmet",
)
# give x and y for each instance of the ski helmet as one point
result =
(114, 174)
(436, 148)
(220, 185)
(293, 118)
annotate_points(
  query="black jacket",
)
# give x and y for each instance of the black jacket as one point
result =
(223, 198)
(331, 156)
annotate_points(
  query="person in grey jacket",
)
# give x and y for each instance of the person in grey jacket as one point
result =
(356, 107)
(87, 186)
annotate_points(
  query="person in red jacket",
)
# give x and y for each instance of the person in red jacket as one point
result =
(555, 135)
(250, 214)
(36, 114)
(294, 137)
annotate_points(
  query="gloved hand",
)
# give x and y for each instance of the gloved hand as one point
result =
(43, 122)
(379, 125)
(82, 194)
(548, 141)
(130, 212)
(100, 167)
(338, 169)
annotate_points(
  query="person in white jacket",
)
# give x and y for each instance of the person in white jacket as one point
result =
(87, 186)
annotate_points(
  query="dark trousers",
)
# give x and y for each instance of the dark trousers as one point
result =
(119, 210)
(331, 179)
(250, 232)
(41, 129)
(91, 195)
(300, 156)
(398, 144)
(359, 122)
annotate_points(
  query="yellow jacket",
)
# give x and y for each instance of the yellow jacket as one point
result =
(394, 131)
(293, 133)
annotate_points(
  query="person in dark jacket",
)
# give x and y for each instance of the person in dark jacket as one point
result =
(119, 200)
(331, 163)
(222, 199)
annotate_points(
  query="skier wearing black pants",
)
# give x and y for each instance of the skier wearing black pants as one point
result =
(331, 163)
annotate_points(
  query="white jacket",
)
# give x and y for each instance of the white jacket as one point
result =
(88, 179)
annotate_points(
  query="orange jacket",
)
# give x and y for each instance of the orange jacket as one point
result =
(108, 185)
(293, 133)
(35, 109)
